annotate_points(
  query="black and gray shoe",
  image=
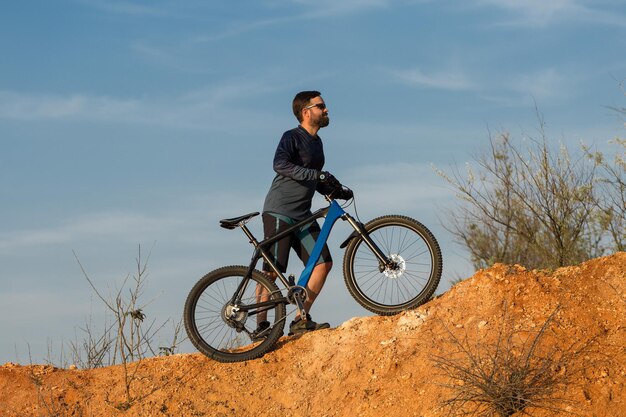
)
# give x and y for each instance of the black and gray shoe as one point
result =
(261, 332)
(300, 326)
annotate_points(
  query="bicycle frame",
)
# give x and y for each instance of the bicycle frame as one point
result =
(332, 213)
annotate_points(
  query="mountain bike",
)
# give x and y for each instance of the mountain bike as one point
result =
(391, 264)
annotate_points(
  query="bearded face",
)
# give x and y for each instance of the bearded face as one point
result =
(319, 115)
(322, 120)
(316, 113)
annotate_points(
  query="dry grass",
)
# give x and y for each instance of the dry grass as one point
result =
(521, 372)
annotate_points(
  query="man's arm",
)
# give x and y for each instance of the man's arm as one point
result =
(286, 153)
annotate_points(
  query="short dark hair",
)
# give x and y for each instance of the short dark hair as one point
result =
(301, 100)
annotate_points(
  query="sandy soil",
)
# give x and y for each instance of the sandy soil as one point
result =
(377, 365)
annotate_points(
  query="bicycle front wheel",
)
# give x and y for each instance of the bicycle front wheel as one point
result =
(225, 330)
(416, 270)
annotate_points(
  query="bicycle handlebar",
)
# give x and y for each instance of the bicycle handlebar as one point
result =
(340, 192)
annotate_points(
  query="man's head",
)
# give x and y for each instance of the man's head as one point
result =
(309, 108)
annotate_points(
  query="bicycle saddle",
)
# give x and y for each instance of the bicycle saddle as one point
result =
(230, 224)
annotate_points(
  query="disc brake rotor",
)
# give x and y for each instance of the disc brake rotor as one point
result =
(398, 269)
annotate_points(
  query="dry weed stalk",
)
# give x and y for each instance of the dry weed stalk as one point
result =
(45, 397)
(96, 347)
(129, 338)
(519, 372)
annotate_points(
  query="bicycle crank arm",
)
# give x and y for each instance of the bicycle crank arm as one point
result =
(300, 307)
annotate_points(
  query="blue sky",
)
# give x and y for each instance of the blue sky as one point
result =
(127, 123)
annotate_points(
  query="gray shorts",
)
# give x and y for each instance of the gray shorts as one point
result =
(301, 241)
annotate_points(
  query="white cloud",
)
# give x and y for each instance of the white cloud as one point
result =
(166, 57)
(314, 8)
(54, 304)
(303, 10)
(23, 106)
(186, 223)
(393, 188)
(447, 79)
(86, 226)
(123, 7)
(539, 13)
(512, 90)
(333, 7)
(209, 108)
(542, 84)
(536, 9)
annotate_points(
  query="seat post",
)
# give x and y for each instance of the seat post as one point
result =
(249, 234)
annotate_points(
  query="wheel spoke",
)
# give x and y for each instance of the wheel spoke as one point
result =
(222, 330)
(416, 270)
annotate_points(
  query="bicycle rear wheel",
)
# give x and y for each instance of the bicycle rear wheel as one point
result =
(413, 278)
(226, 332)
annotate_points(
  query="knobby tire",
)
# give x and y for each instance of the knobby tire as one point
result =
(211, 334)
(392, 291)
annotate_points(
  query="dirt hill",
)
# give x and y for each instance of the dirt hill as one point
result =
(383, 365)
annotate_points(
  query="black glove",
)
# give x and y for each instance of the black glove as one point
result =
(332, 187)
(327, 178)
(342, 194)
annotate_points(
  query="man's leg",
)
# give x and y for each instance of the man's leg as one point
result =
(313, 288)
(304, 244)
(262, 295)
(279, 251)
(316, 282)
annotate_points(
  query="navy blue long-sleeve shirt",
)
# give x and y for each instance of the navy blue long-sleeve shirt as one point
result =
(299, 158)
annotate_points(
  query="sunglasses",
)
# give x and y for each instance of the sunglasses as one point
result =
(321, 106)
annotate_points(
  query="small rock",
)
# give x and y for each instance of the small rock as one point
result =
(388, 342)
